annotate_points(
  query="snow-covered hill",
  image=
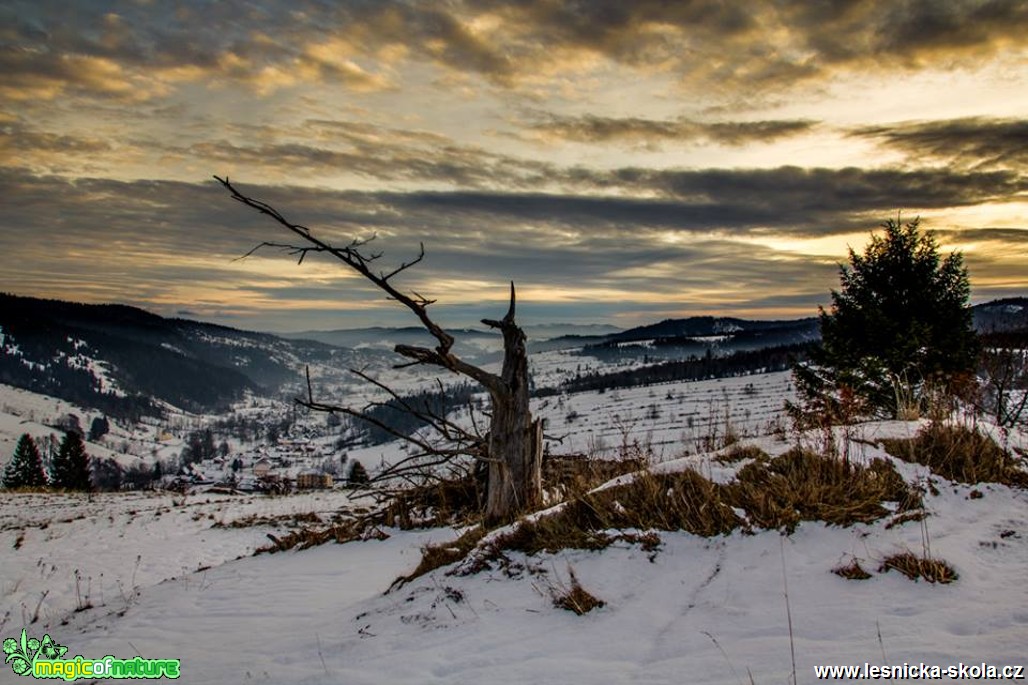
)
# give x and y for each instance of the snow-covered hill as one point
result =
(162, 578)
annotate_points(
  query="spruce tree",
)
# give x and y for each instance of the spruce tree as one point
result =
(358, 474)
(70, 469)
(899, 325)
(26, 466)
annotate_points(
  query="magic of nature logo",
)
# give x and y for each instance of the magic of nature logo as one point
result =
(29, 656)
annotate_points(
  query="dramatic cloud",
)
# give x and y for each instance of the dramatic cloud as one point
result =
(974, 142)
(635, 130)
(137, 51)
(617, 159)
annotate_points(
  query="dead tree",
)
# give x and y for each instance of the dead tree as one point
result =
(513, 446)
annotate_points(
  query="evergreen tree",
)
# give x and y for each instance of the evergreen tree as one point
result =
(107, 475)
(99, 428)
(899, 324)
(358, 474)
(26, 466)
(71, 465)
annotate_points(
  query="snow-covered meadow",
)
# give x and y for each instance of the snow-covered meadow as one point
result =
(170, 576)
(164, 575)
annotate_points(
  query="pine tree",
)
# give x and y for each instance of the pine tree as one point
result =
(70, 469)
(26, 466)
(899, 324)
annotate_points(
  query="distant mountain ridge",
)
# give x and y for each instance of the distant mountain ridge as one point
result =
(706, 326)
(1001, 316)
(385, 336)
(125, 361)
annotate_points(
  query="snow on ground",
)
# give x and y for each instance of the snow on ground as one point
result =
(169, 576)
(669, 418)
(114, 544)
(698, 611)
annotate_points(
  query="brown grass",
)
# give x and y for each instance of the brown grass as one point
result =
(578, 473)
(778, 493)
(852, 571)
(443, 554)
(737, 453)
(802, 485)
(676, 501)
(914, 567)
(576, 598)
(446, 502)
(775, 494)
(959, 453)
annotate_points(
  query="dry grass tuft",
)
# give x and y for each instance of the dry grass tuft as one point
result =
(802, 485)
(578, 473)
(576, 598)
(852, 571)
(737, 453)
(959, 453)
(443, 554)
(675, 501)
(914, 567)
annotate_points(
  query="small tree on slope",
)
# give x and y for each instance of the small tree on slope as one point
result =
(26, 466)
(899, 325)
(358, 474)
(70, 469)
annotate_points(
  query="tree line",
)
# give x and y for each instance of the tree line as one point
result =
(695, 368)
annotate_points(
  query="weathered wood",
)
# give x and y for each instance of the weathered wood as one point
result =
(515, 440)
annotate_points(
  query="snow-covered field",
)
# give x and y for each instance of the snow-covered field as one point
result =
(163, 575)
(165, 582)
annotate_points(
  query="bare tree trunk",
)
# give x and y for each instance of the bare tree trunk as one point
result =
(515, 439)
(514, 450)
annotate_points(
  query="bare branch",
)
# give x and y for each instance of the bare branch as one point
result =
(406, 265)
(359, 262)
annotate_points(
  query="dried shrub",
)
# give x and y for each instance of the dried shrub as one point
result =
(293, 520)
(959, 453)
(306, 538)
(914, 567)
(669, 501)
(775, 494)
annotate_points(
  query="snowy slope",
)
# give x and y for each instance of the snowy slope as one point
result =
(699, 611)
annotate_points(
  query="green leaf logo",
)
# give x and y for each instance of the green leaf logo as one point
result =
(21, 654)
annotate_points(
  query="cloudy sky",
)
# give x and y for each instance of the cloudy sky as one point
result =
(622, 162)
